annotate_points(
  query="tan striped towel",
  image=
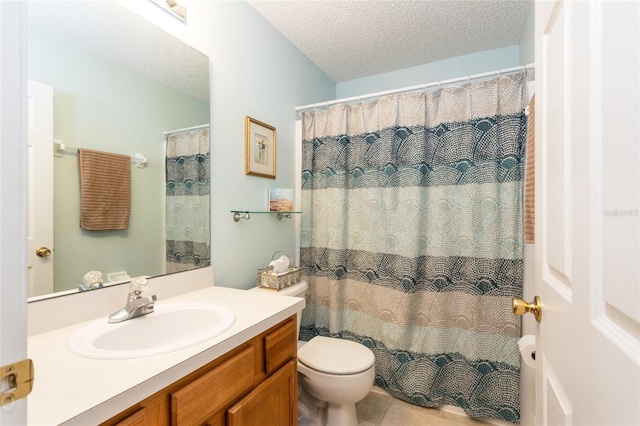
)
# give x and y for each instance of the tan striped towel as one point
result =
(530, 176)
(105, 190)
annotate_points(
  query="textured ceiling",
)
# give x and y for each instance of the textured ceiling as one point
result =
(354, 39)
(115, 34)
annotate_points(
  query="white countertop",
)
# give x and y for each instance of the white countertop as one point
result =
(73, 390)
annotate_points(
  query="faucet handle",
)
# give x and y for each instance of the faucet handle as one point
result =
(91, 280)
(138, 286)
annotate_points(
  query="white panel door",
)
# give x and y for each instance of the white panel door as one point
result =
(588, 204)
(40, 189)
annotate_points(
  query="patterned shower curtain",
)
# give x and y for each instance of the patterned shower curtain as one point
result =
(188, 206)
(412, 239)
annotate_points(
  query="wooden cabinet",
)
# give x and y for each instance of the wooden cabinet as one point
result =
(273, 403)
(254, 384)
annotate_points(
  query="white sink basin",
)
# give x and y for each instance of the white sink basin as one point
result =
(171, 327)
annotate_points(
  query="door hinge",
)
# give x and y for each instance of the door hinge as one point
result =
(19, 377)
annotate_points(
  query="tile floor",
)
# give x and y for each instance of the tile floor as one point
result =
(380, 409)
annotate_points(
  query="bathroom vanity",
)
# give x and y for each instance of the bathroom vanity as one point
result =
(255, 381)
(242, 376)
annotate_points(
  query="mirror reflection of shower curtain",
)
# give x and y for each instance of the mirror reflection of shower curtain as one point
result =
(188, 222)
(411, 239)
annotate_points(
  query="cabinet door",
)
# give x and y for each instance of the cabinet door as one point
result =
(273, 403)
(199, 400)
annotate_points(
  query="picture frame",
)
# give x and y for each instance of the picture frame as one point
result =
(260, 149)
(280, 199)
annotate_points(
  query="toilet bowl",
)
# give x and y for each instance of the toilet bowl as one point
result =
(339, 372)
(335, 371)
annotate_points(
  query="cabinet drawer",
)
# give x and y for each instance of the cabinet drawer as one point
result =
(139, 418)
(152, 411)
(280, 346)
(216, 390)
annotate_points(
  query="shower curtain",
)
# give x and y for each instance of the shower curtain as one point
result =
(411, 239)
(187, 192)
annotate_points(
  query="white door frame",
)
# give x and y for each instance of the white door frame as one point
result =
(13, 235)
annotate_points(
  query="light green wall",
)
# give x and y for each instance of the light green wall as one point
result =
(102, 106)
(527, 39)
(458, 66)
(255, 72)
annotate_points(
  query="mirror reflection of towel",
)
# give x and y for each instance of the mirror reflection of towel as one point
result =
(105, 190)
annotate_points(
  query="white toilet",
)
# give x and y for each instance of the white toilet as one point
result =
(337, 371)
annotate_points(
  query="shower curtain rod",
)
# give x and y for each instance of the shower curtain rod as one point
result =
(418, 87)
(187, 128)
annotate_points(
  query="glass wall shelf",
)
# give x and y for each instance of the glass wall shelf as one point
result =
(246, 214)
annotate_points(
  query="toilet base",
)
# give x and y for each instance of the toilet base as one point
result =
(341, 415)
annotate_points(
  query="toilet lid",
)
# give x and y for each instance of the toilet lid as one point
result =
(335, 356)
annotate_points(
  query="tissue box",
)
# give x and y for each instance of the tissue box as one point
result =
(268, 278)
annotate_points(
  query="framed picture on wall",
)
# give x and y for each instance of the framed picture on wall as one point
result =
(280, 199)
(260, 149)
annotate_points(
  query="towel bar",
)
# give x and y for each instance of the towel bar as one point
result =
(59, 148)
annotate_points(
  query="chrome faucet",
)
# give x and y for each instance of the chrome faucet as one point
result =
(137, 304)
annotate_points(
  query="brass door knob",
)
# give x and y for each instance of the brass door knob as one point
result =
(520, 307)
(43, 252)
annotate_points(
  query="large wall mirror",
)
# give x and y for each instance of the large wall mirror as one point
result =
(118, 84)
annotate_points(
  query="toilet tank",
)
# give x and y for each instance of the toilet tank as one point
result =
(296, 290)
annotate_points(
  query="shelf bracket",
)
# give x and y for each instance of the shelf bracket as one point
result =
(246, 215)
(241, 215)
